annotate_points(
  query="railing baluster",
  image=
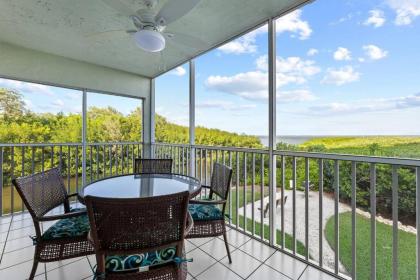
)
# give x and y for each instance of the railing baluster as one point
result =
(321, 201)
(52, 157)
(336, 216)
(307, 208)
(245, 198)
(33, 161)
(372, 221)
(252, 194)
(394, 222)
(110, 160)
(283, 182)
(353, 218)
(1, 181)
(294, 204)
(12, 167)
(262, 197)
(77, 169)
(23, 172)
(230, 191)
(42, 159)
(60, 159)
(418, 220)
(237, 190)
(97, 162)
(103, 161)
(91, 163)
(68, 169)
(205, 169)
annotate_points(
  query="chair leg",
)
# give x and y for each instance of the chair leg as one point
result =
(227, 246)
(34, 267)
(100, 266)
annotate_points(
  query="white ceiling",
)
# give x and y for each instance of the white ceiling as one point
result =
(70, 28)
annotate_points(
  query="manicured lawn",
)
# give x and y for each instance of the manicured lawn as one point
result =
(406, 251)
(300, 248)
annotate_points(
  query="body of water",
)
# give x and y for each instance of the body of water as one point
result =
(294, 140)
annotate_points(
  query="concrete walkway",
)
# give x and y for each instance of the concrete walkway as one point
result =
(313, 232)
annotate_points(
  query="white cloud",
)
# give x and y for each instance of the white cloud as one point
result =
(229, 106)
(376, 18)
(374, 52)
(371, 105)
(25, 87)
(291, 22)
(300, 95)
(58, 102)
(343, 19)
(253, 85)
(342, 54)
(291, 69)
(340, 76)
(249, 85)
(312, 52)
(406, 10)
(178, 71)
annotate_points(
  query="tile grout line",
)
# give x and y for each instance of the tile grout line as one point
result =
(5, 241)
(217, 261)
(303, 272)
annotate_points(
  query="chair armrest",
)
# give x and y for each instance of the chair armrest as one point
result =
(190, 224)
(61, 216)
(72, 194)
(205, 186)
(209, 202)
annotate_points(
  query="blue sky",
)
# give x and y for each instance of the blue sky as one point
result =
(343, 68)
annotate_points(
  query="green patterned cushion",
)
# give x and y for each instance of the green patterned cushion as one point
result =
(205, 212)
(134, 262)
(69, 227)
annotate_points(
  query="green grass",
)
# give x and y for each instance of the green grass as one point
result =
(406, 251)
(300, 248)
(388, 146)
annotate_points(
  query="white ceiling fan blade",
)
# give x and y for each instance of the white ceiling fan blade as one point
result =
(119, 7)
(173, 10)
(185, 40)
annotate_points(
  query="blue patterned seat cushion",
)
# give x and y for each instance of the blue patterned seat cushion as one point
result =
(134, 262)
(205, 212)
(69, 227)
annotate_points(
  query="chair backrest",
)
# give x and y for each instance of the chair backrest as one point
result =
(42, 191)
(150, 166)
(137, 225)
(220, 180)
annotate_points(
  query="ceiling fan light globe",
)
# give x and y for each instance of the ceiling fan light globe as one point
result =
(149, 40)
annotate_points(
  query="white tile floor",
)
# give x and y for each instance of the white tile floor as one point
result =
(251, 258)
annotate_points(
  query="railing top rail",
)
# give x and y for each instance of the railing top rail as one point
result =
(233, 149)
(65, 144)
(315, 155)
(356, 158)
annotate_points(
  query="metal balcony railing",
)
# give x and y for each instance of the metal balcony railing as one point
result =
(317, 186)
(346, 182)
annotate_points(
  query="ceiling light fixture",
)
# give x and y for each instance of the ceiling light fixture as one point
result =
(150, 40)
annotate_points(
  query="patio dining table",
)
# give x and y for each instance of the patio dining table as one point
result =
(141, 185)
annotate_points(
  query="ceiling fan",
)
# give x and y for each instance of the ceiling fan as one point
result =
(150, 33)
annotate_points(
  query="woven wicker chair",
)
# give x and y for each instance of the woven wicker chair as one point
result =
(140, 238)
(67, 238)
(209, 214)
(152, 166)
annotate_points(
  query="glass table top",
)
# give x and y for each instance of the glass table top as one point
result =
(144, 185)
